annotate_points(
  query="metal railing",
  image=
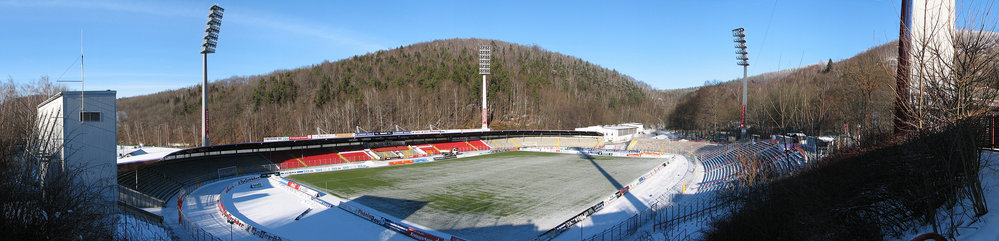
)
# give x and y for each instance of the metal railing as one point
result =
(133, 223)
(137, 199)
(666, 213)
(193, 230)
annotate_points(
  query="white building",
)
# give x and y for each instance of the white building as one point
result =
(930, 29)
(640, 127)
(82, 131)
(613, 133)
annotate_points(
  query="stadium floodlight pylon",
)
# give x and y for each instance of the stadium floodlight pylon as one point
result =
(740, 44)
(485, 54)
(211, 38)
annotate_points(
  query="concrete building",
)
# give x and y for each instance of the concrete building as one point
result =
(614, 133)
(81, 130)
(640, 127)
(929, 27)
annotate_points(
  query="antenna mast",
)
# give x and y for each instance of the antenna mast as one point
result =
(81, 76)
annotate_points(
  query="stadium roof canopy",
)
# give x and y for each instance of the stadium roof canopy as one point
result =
(373, 140)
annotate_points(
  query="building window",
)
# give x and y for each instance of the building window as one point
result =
(88, 116)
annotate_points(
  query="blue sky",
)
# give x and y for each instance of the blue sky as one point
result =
(144, 47)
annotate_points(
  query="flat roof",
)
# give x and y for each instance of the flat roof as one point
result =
(620, 127)
(89, 92)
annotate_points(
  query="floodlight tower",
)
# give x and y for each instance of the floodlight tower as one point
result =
(208, 47)
(484, 58)
(740, 44)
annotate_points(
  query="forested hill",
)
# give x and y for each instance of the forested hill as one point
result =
(819, 99)
(411, 88)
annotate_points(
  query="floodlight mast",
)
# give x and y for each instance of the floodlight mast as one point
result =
(740, 44)
(207, 47)
(485, 53)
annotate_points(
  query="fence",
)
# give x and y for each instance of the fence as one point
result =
(988, 134)
(666, 212)
(626, 190)
(134, 223)
(193, 230)
(137, 199)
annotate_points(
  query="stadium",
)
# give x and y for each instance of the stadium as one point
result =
(895, 142)
(447, 185)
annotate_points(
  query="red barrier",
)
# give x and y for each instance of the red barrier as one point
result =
(420, 235)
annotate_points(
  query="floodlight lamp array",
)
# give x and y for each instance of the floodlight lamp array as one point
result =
(485, 57)
(739, 35)
(213, 25)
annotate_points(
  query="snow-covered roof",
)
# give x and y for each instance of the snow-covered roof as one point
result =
(148, 153)
(620, 127)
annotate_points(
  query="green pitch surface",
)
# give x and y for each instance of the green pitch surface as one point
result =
(508, 196)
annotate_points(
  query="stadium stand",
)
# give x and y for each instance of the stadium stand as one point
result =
(662, 145)
(528, 141)
(428, 149)
(518, 142)
(631, 145)
(547, 141)
(479, 145)
(722, 164)
(408, 153)
(462, 146)
(501, 144)
(354, 156)
(578, 142)
(163, 180)
(304, 158)
(387, 155)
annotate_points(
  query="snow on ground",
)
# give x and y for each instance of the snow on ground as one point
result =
(201, 209)
(130, 228)
(274, 209)
(677, 173)
(987, 227)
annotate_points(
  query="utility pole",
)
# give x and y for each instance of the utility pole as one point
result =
(740, 44)
(207, 47)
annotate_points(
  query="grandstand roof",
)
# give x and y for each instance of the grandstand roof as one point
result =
(257, 147)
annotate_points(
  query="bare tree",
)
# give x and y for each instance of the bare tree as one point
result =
(953, 80)
(39, 202)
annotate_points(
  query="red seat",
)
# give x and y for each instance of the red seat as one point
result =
(461, 146)
(355, 156)
(393, 148)
(479, 145)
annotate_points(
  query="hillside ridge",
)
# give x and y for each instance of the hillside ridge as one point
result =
(424, 85)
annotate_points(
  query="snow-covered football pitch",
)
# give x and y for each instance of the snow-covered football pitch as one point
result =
(509, 196)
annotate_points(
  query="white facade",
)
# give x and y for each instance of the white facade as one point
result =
(613, 133)
(83, 140)
(931, 29)
(640, 127)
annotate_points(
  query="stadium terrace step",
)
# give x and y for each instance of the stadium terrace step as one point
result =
(479, 145)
